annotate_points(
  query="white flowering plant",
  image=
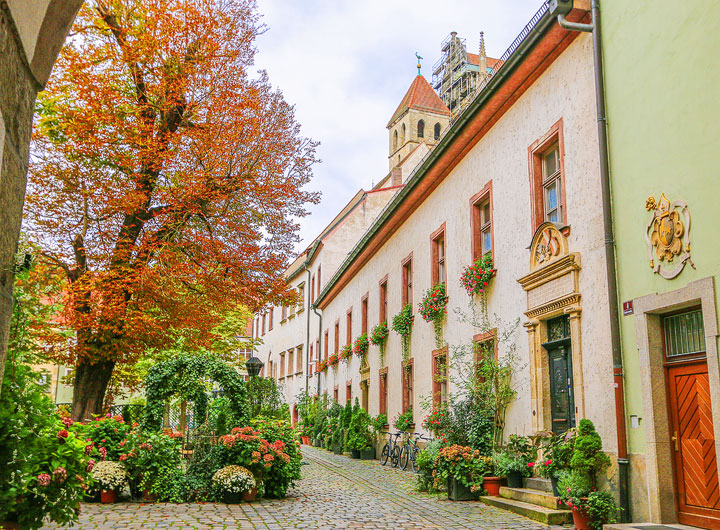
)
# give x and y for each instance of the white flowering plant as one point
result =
(234, 479)
(110, 476)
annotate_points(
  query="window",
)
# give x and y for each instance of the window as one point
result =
(263, 324)
(348, 391)
(482, 227)
(282, 365)
(486, 345)
(327, 344)
(402, 135)
(319, 285)
(383, 300)
(270, 318)
(335, 393)
(395, 140)
(437, 255)
(257, 327)
(312, 356)
(312, 289)
(301, 298)
(337, 337)
(383, 388)
(349, 327)
(364, 394)
(407, 281)
(439, 375)
(270, 369)
(421, 129)
(364, 315)
(407, 385)
(552, 184)
(283, 313)
(299, 360)
(547, 181)
(290, 357)
(293, 307)
(684, 335)
(437, 131)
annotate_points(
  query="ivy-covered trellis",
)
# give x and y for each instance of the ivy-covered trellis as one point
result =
(185, 376)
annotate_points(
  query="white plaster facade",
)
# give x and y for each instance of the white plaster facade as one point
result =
(564, 91)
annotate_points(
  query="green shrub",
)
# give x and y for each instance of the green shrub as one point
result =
(587, 457)
(425, 465)
(153, 462)
(43, 464)
(359, 436)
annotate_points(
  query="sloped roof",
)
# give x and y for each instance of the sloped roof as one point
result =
(420, 96)
(474, 58)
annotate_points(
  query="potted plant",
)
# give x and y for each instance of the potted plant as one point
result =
(404, 422)
(517, 460)
(379, 337)
(433, 308)
(361, 345)
(402, 325)
(463, 469)
(359, 436)
(236, 484)
(476, 277)
(111, 478)
(556, 457)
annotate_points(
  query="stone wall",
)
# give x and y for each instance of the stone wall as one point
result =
(30, 39)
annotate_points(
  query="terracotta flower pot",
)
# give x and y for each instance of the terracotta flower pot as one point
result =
(492, 485)
(581, 519)
(108, 497)
(249, 496)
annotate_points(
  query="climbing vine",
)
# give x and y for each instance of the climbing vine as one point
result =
(402, 325)
(185, 375)
(379, 338)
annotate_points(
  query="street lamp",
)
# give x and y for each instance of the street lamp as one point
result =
(253, 366)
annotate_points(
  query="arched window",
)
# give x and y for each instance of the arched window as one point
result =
(437, 131)
(395, 140)
(421, 129)
(402, 135)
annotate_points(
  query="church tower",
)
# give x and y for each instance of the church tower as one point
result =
(420, 118)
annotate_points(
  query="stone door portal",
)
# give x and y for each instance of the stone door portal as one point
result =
(562, 400)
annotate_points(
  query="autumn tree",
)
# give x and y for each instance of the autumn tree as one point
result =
(166, 180)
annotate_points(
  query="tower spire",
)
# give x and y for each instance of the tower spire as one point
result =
(419, 58)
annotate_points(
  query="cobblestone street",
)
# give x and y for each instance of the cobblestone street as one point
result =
(335, 492)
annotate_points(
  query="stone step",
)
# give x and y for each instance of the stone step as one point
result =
(541, 498)
(531, 511)
(538, 483)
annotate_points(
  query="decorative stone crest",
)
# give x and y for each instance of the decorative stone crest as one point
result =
(668, 236)
(548, 245)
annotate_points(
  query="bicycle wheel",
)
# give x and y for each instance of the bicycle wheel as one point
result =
(413, 458)
(385, 454)
(404, 457)
(395, 456)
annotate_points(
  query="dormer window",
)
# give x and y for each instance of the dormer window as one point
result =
(437, 131)
(421, 129)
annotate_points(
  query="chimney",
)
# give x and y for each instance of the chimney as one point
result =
(396, 176)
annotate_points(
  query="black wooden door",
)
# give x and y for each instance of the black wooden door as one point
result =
(562, 402)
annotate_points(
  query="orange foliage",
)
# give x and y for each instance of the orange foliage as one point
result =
(166, 179)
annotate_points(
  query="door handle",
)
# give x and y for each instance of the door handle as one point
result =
(675, 440)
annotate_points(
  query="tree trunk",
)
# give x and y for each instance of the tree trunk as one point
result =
(91, 381)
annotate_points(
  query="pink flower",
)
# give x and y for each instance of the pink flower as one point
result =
(67, 422)
(44, 479)
(62, 434)
(60, 474)
(123, 458)
(548, 462)
(531, 464)
(103, 453)
(91, 465)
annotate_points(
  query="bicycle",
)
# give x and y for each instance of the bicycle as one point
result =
(391, 450)
(409, 451)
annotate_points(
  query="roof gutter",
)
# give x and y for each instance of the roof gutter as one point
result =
(446, 140)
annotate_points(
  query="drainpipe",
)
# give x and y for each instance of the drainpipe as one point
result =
(319, 341)
(307, 330)
(610, 260)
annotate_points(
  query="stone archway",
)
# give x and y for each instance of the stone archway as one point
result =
(185, 375)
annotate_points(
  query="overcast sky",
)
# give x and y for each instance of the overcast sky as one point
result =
(346, 65)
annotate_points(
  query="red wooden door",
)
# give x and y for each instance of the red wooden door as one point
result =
(693, 440)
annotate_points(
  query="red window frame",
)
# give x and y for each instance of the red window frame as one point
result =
(407, 280)
(438, 259)
(327, 343)
(439, 364)
(348, 391)
(477, 203)
(383, 390)
(364, 314)
(348, 324)
(382, 310)
(408, 384)
(270, 319)
(337, 336)
(536, 153)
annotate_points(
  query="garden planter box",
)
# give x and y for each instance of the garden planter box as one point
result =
(367, 454)
(457, 491)
(354, 453)
(492, 485)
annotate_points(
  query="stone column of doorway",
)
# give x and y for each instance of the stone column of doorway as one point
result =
(573, 313)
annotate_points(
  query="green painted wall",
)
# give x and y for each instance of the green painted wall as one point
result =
(662, 75)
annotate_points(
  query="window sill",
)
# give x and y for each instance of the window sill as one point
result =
(291, 317)
(300, 311)
(283, 321)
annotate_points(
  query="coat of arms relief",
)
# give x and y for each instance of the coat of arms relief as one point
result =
(668, 236)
